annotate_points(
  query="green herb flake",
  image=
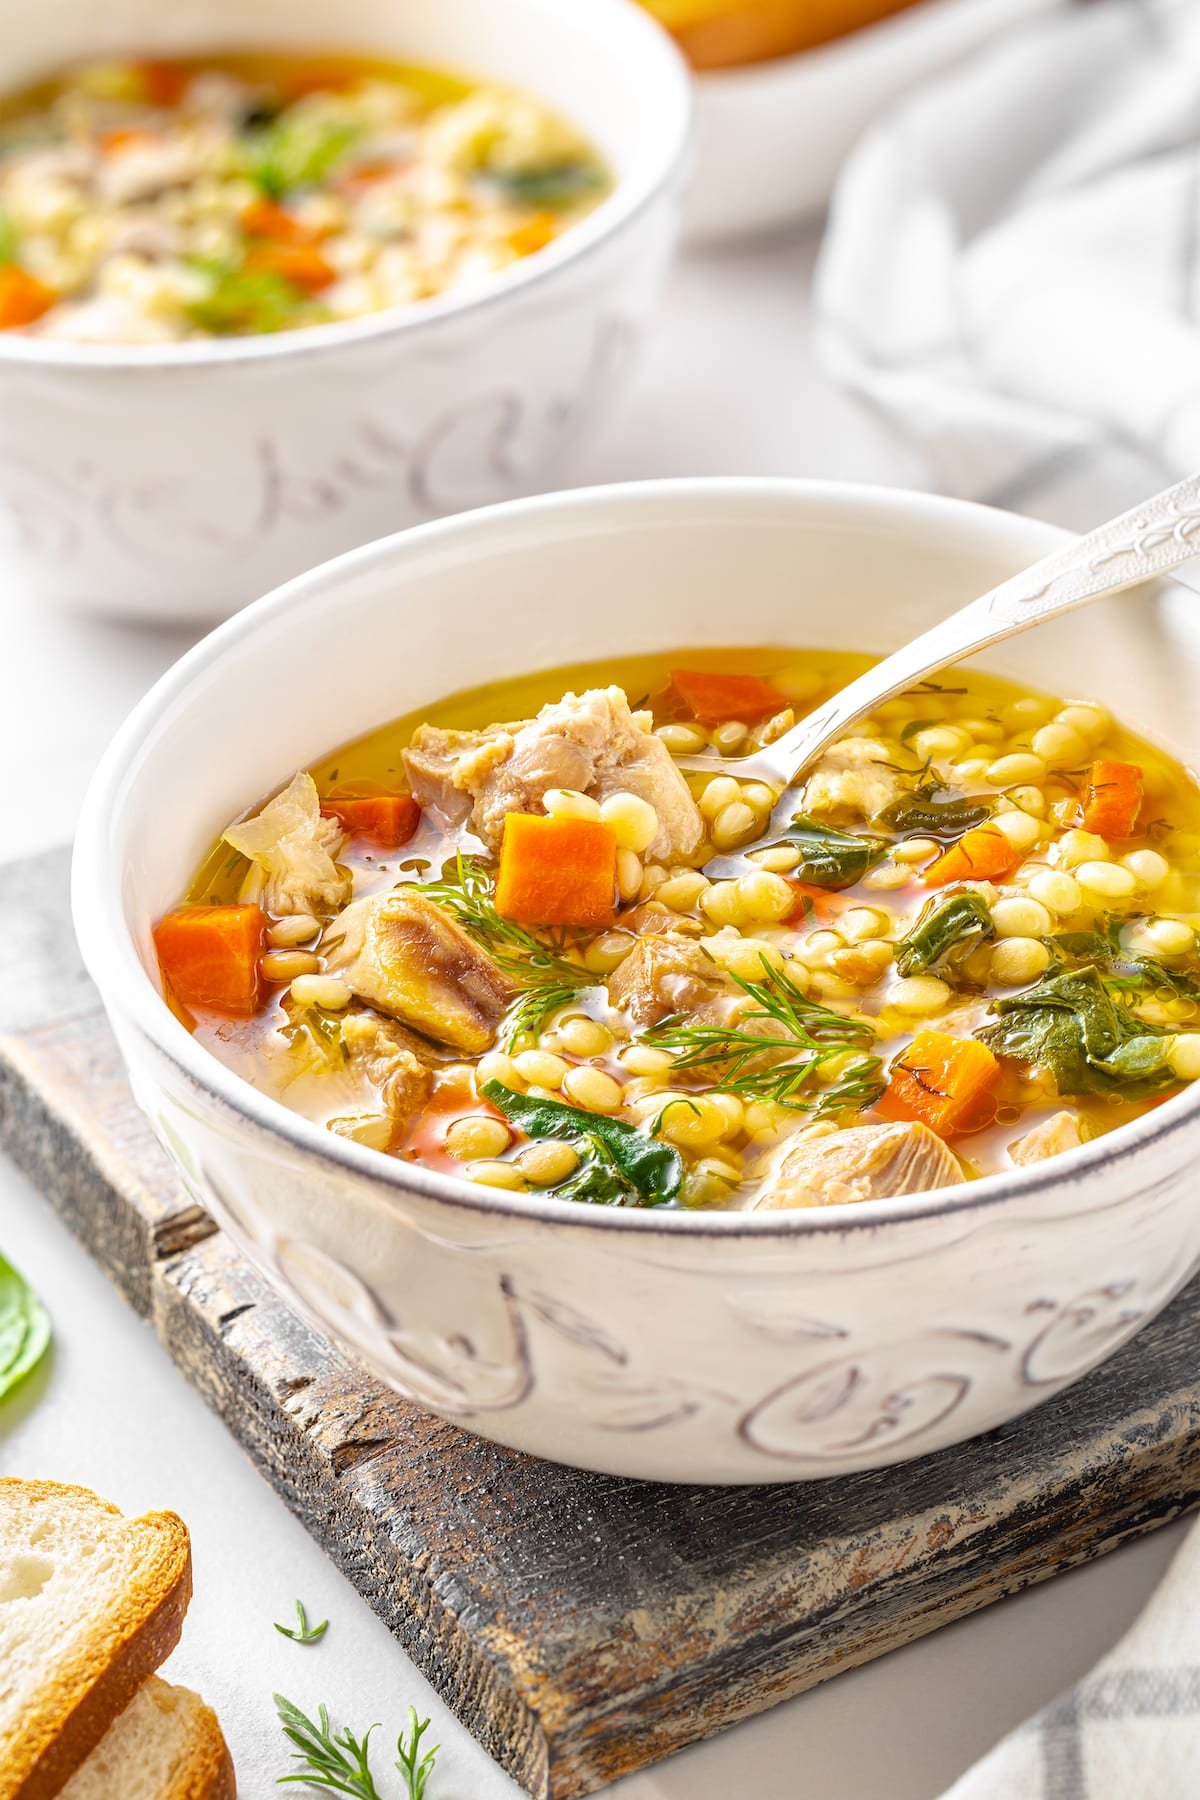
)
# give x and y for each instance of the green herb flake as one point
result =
(831, 859)
(650, 1173)
(248, 302)
(947, 930)
(937, 812)
(9, 238)
(551, 186)
(297, 151)
(24, 1328)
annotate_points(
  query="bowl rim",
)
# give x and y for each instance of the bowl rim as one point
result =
(632, 195)
(128, 989)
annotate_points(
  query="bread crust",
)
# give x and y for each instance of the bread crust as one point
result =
(209, 1773)
(82, 1696)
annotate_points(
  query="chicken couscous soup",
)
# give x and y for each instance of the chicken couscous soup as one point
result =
(489, 948)
(152, 201)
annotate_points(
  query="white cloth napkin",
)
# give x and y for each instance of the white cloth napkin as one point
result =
(1011, 273)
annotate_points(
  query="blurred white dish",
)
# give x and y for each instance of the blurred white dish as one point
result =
(773, 136)
(176, 482)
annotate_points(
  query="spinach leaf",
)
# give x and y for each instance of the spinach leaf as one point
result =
(551, 185)
(1120, 969)
(1071, 1025)
(297, 151)
(936, 812)
(948, 928)
(24, 1328)
(242, 301)
(832, 859)
(619, 1166)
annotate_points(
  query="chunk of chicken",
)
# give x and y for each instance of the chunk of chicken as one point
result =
(387, 1082)
(1050, 1138)
(850, 783)
(295, 848)
(591, 742)
(664, 975)
(405, 955)
(864, 1162)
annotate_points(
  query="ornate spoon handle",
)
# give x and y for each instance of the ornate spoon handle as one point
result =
(1152, 539)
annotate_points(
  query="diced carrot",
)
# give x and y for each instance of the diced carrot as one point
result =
(23, 298)
(360, 176)
(557, 871)
(163, 83)
(984, 854)
(318, 75)
(388, 819)
(812, 903)
(125, 137)
(944, 1082)
(209, 956)
(301, 264)
(711, 698)
(534, 234)
(1112, 799)
(267, 219)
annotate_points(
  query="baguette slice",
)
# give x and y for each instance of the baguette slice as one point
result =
(90, 1604)
(166, 1745)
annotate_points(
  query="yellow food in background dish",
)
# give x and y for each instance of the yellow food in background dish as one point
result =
(491, 948)
(154, 201)
(723, 33)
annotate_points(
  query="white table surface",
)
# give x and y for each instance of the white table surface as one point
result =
(729, 385)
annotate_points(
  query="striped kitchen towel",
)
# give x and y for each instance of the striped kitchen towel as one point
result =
(1130, 1730)
(1011, 272)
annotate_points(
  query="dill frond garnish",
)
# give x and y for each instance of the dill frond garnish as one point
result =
(546, 977)
(790, 1067)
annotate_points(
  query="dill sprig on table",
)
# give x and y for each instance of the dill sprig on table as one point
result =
(784, 1069)
(335, 1760)
(547, 979)
(415, 1766)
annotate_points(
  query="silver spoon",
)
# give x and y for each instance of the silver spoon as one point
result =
(1150, 540)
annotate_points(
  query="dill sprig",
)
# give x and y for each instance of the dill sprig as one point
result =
(783, 1069)
(547, 979)
(415, 1766)
(302, 1632)
(335, 1760)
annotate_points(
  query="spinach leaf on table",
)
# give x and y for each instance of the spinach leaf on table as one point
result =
(618, 1166)
(1071, 1025)
(24, 1328)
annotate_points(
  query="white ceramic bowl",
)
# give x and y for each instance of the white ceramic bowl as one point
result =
(701, 1346)
(179, 482)
(772, 137)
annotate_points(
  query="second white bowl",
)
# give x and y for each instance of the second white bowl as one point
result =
(177, 482)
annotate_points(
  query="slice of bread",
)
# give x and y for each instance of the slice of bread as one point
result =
(90, 1604)
(166, 1745)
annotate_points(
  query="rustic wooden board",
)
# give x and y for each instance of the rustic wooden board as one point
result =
(581, 1626)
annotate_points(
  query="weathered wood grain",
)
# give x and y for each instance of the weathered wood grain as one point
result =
(581, 1626)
